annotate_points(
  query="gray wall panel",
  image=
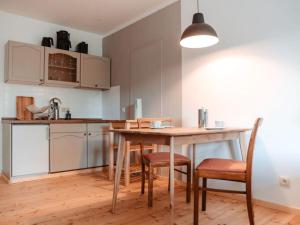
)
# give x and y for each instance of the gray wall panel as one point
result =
(134, 49)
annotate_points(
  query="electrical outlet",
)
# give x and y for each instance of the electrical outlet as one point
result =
(284, 181)
(123, 109)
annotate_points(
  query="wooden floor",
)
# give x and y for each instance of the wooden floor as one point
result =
(86, 200)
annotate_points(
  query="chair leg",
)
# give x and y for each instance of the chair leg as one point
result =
(204, 186)
(127, 164)
(143, 178)
(196, 198)
(169, 181)
(188, 183)
(150, 186)
(250, 204)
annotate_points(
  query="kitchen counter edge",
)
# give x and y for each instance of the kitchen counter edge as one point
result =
(61, 121)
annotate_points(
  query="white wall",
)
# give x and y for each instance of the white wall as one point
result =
(82, 103)
(253, 71)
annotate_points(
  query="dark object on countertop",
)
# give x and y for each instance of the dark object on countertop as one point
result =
(68, 115)
(47, 41)
(63, 40)
(82, 47)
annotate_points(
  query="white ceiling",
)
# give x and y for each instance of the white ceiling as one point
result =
(97, 16)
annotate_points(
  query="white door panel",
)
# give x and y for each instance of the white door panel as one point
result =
(30, 149)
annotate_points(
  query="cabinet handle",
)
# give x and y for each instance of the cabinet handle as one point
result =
(42, 80)
(77, 81)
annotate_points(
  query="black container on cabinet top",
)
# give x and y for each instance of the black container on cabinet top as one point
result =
(47, 41)
(63, 40)
(82, 47)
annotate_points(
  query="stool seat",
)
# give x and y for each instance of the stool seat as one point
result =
(163, 159)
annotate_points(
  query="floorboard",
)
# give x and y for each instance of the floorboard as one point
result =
(85, 199)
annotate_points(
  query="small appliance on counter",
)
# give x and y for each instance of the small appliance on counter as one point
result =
(47, 41)
(82, 47)
(63, 40)
(54, 108)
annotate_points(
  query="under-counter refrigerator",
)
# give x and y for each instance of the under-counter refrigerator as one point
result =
(30, 149)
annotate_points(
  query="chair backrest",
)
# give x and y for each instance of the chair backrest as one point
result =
(146, 122)
(251, 147)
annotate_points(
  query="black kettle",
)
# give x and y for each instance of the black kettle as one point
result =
(47, 41)
(63, 40)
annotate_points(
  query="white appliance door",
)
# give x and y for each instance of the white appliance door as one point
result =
(30, 149)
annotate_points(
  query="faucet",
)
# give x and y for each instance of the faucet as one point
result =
(54, 108)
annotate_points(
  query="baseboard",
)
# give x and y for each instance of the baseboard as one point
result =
(258, 202)
(5, 178)
(52, 175)
(262, 203)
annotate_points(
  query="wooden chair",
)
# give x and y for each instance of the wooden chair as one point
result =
(226, 169)
(136, 148)
(130, 169)
(161, 159)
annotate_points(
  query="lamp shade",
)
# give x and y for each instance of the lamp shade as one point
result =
(199, 34)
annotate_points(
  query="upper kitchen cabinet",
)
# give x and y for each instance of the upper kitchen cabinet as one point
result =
(95, 72)
(62, 68)
(24, 63)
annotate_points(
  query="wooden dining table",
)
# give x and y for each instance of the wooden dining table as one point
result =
(174, 138)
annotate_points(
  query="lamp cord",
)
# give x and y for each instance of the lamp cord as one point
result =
(198, 6)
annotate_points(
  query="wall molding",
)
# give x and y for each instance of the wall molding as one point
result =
(53, 175)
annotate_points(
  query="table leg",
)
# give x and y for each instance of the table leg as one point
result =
(120, 160)
(172, 146)
(111, 156)
(243, 145)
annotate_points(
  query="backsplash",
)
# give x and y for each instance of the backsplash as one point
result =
(82, 103)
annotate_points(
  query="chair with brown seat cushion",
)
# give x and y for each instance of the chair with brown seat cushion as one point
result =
(226, 169)
(162, 159)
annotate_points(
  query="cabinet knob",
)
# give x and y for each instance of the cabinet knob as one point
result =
(84, 134)
(77, 81)
(42, 80)
(90, 134)
(96, 85)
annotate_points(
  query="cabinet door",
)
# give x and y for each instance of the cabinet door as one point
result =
(62, 68)
(68, 151)
(24, 63)
(98, 149)
(98, 144)
(95, 72)
(30, 149)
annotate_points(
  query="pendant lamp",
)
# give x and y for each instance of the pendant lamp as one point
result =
(199, 34)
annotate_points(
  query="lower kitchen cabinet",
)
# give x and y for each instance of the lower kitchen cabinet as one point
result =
(29, 149)
(78, 146)
(68, 151)
(35, 149)
(98, 145)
